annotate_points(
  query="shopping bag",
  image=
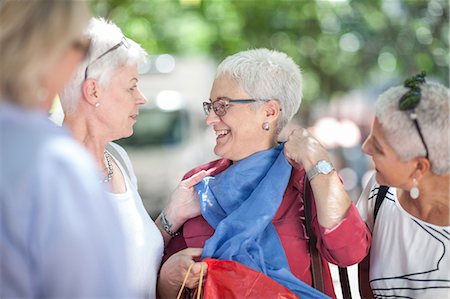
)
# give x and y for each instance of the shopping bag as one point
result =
(233, 280)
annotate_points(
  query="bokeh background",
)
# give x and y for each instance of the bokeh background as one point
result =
(349, 52)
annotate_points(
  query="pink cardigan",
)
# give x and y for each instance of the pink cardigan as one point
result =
(344, 245)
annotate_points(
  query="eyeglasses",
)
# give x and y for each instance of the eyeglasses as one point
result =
(123, 42)
(221, 105)
(409, 101)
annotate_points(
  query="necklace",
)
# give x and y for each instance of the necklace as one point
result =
(109, 167)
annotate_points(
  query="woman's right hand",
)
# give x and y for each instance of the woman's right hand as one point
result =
(174, 270)
(184, 203)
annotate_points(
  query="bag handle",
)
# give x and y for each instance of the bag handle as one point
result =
(200, 283)
(316, 263)
(316, 259)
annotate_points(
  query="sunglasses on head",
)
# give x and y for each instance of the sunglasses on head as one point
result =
(123, 42)
(409, 101)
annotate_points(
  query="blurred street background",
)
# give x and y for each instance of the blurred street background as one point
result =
(349, 51)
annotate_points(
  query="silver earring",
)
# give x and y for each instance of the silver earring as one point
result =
(266, 126)
(97, 105)
(414, 192)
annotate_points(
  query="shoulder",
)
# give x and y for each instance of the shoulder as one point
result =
(117, 151)
(122, 157)
(215, 167)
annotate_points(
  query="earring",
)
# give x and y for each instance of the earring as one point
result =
(266, 126)
(414, 192)
(97, 105)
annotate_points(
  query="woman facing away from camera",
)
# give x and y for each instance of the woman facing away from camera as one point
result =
(406, 206)
(101, 104)
(59, 235)
(253, 193)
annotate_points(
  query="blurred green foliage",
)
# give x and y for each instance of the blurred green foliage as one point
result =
(340, 45)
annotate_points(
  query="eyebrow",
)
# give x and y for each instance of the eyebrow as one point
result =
(135, 79)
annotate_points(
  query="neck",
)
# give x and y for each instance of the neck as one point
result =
(85, 132)
(264, 145)
(433, 203)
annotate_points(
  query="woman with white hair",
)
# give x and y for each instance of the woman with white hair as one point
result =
(407, 208)
(252, 203)
(55, 220)
(101, 104)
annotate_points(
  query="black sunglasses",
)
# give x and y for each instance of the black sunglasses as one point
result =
(221, 105)
(409, 101)
(123, 42)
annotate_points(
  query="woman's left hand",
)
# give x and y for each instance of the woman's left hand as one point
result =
(184, 203)
(301, 148)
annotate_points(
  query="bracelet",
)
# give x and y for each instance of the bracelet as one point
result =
(166, 225)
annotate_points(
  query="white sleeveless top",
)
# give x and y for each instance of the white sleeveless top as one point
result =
(145, 244)
(409, 257)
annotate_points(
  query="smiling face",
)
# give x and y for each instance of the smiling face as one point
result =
(239, 132)
(120, 101)
(390, 170)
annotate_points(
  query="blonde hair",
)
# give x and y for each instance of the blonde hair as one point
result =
(33, 34)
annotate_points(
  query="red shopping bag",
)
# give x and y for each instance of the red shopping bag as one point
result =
(233, 280)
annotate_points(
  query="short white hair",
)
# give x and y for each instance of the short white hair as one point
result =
(267, 74)
(103, 35)
(433, 118)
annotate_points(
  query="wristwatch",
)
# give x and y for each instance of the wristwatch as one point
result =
(322, 166)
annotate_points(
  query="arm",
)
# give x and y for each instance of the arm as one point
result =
(331, 199)
(342, 236)
(183, 205)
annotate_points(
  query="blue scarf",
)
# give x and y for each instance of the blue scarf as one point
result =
(240, 203)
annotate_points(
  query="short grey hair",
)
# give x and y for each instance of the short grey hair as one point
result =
(103, 35)
(433, 118)
(267, 74)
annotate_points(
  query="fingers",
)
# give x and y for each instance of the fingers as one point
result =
(195, 179)
(196, 272)
(191, 252)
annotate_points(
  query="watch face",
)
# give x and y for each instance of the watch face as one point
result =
(324, 167)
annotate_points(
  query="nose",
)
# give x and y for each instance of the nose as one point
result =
(140, 99)
(212, 118)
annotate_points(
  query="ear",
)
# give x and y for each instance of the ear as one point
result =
(272, 110)
(91, 91)
(422, 166)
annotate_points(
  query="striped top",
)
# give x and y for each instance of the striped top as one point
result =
(409, 257)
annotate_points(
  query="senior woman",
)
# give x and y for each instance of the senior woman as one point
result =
(55, 221)
(101, 104)
(253, 192)
(409, 145)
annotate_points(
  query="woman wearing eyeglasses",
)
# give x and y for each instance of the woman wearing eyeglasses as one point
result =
(253, 201)
(407, 208)
(55, 220)
(101, 104)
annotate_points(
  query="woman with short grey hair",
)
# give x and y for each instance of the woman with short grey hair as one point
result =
(406, 205)
(253, 202)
